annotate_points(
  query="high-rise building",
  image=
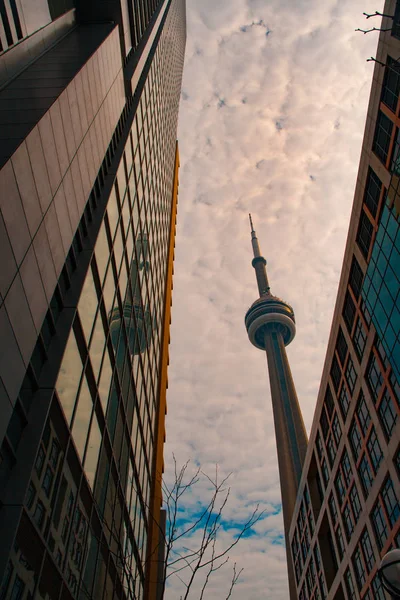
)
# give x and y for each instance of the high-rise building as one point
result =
(271, 326)
(347, 513)
(89, 95)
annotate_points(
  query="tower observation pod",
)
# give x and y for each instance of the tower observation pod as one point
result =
(270, 325)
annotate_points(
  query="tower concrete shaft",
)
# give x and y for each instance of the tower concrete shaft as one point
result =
(271, 326)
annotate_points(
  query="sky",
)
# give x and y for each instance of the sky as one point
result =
(272, 115)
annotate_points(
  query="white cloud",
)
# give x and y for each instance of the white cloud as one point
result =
(310, 76)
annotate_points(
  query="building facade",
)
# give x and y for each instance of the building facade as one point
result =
(89, 96)
(347, 513)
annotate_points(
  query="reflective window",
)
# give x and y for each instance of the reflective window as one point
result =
(383, 132)
(387, 414)
(374, 450)
(364, 234)
(69, 376)
(390, 501)
(373, 188)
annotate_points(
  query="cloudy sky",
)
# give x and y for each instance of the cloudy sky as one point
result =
(272, 115)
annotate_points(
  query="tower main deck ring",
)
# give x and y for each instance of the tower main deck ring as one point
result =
(265, 311)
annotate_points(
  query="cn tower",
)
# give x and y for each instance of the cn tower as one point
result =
(271, 326)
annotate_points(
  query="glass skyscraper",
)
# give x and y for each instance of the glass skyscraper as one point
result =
(347, 513)
(89, 96)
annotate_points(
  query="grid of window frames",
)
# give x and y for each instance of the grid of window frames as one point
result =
(108, 382)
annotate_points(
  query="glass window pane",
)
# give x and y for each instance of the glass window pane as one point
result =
(82, 418)
(69, 376)
(92, 452)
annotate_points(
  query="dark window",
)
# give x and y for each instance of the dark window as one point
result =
(383, 132)
(30, 495)
(333, 509)
(319, 445)
(366, 475)
(344, 401)
(387, 414)
(39, 461)
(356, 277)
(391, 84)
(48, 481)
(359, 569)
(330, 445)
(377, 587)
(346, 468)
(368, 551)
(335, 373)
(340, 489)
(360, 339)
(373, 188)
(325, 472)
(375, 451)
(38, 515)
(391, 502)
(341, 346)
(349, 312)
(337, 432)
(351, 592)
(355, 439)
(340, 542)
(395, 385)
(363, 415)
(364, 235)
(374, 377)
(348, 521)
(324, 422)
(55, 451)
(355, 503)
(351, 375)
(17, 589)
(379, 523)
(6, 580)
(329, 401)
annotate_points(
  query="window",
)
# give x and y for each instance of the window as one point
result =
(39, 461)
(30, 495)
(340, 542)
(360, 339)
(383, 132)
(373, 188)
(351, 592)
(355, 503)
(366, 476)
(377, 587)
(391, 84)
(346, 468)
(17, 589)
(348, 521)
(341, 346)
(390, 501)
(340, 489)
(379, 524)
(320, 449)
(364, 234)
(363, 414)
(335, 373)
(368, 551)
(38, 515)
(359, 569)
(331, 450)
(48, 481)
(356, 277)
(337, 432)
(329, 401)
(55, 451)
(349, 312)
(325, 472)
(374, 449)
(355, 439)
(351, 375)
(6, 580)
(344, 401)
(387, 414)
(333, 509)
(324, 422)
(374, 377)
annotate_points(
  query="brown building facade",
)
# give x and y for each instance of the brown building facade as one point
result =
(89, 97)
(347, 514)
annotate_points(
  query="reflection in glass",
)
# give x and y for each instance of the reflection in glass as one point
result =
(69, 376)
(88, 305)
(82, 418)
(92, 452)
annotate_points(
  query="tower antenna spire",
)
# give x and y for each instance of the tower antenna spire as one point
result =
(259, 263)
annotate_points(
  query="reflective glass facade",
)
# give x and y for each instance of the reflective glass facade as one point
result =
(81, 463)
(350, 488)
